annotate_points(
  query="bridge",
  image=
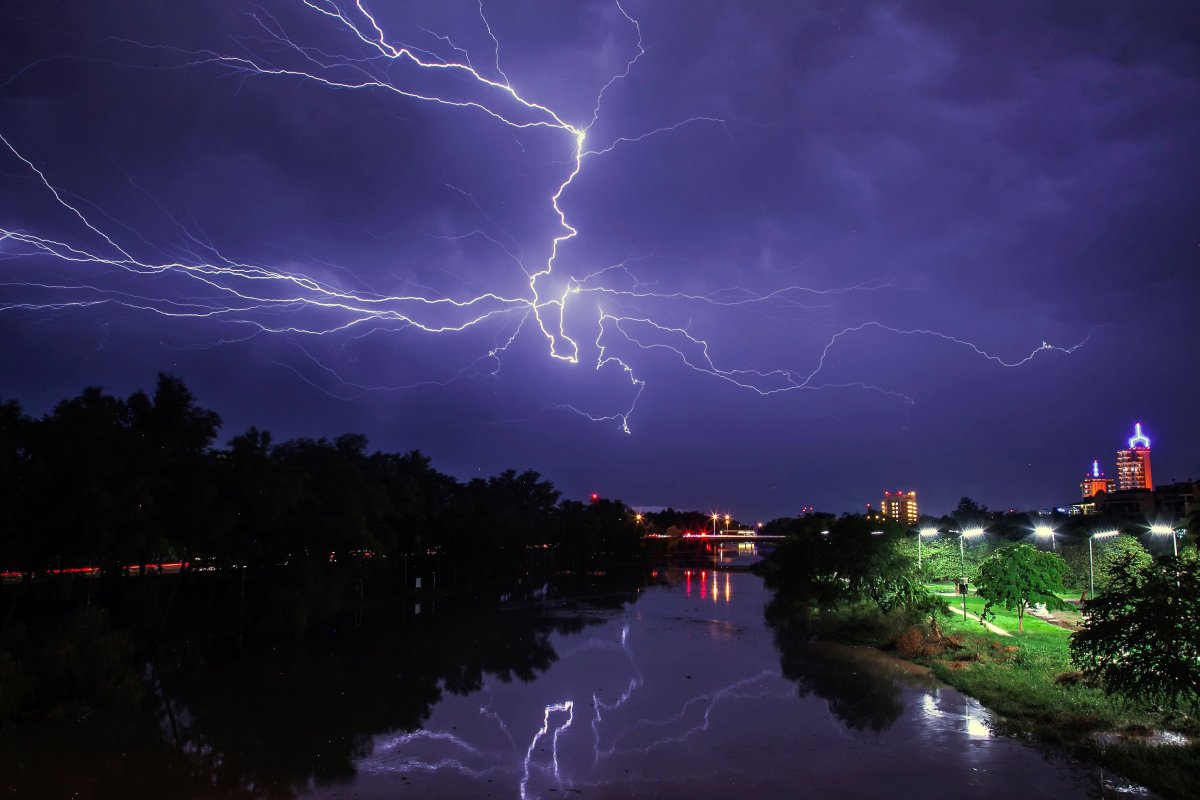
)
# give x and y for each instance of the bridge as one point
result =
(721, 538)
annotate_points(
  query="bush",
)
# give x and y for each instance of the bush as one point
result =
(911, 643)
(1141, 638)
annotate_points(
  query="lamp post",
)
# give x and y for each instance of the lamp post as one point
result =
(714, 519)
(962, 562)
(727, 523)
(921, 534)
(1042, 531)
(1159, 529)
(1091, 560)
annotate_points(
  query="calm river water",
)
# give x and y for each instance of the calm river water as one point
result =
(684, 694)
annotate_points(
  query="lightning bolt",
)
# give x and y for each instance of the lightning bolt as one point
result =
(745, 688)
(530, 765)
(569, 708)
(208, 285)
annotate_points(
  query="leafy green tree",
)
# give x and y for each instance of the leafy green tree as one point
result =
(942, 558)
(909, 594)
(1140, 637)
(851, 561)
(1019, 577)
(1191, 540)
(1104, 554)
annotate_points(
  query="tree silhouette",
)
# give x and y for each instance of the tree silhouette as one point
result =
(1140, 638)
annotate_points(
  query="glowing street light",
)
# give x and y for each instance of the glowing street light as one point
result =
(1091, 566)
(962, 561)
(714, 519)
(1042, 531)
(921, 534)
(1161, 529)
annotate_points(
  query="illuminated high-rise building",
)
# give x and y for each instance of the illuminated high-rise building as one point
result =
(1133, 464)
(1095, 482)
(900, 506)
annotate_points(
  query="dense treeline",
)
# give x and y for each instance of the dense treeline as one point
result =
(838, 564)
(266, 543)
(940, 557)
(110, 482)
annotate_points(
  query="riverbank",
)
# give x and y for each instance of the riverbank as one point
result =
(1027, 680)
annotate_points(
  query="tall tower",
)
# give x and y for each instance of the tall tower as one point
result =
(1095, 482)
(1133, 464)
(901, 506)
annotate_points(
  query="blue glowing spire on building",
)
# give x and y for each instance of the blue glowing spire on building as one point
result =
(1139, 439)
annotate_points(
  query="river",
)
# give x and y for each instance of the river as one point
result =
(681, 694)
(662, 684)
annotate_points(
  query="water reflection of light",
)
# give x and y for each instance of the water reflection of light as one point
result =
(726, 587)
(976, 726)
(974, 717)
(715, 591)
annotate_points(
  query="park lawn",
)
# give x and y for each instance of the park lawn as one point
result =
(1028, 681)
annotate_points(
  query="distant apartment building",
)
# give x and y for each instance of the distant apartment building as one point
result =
(1134, 497)
(1094, 483)
(900, 506)
(1133, 463)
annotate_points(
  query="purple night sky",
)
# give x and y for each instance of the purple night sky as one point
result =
(819, 246)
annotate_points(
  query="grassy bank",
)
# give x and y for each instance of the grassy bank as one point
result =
(1028, 681)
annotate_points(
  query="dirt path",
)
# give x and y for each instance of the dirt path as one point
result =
(996, 629)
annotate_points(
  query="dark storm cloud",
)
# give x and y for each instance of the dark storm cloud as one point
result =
(1003, 173)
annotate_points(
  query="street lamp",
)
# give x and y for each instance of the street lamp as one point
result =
(1042, 531)
(1160, 529)
(962, 561)
(727, 523)
(714, 519)
(1091, 561)
(921, 534)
